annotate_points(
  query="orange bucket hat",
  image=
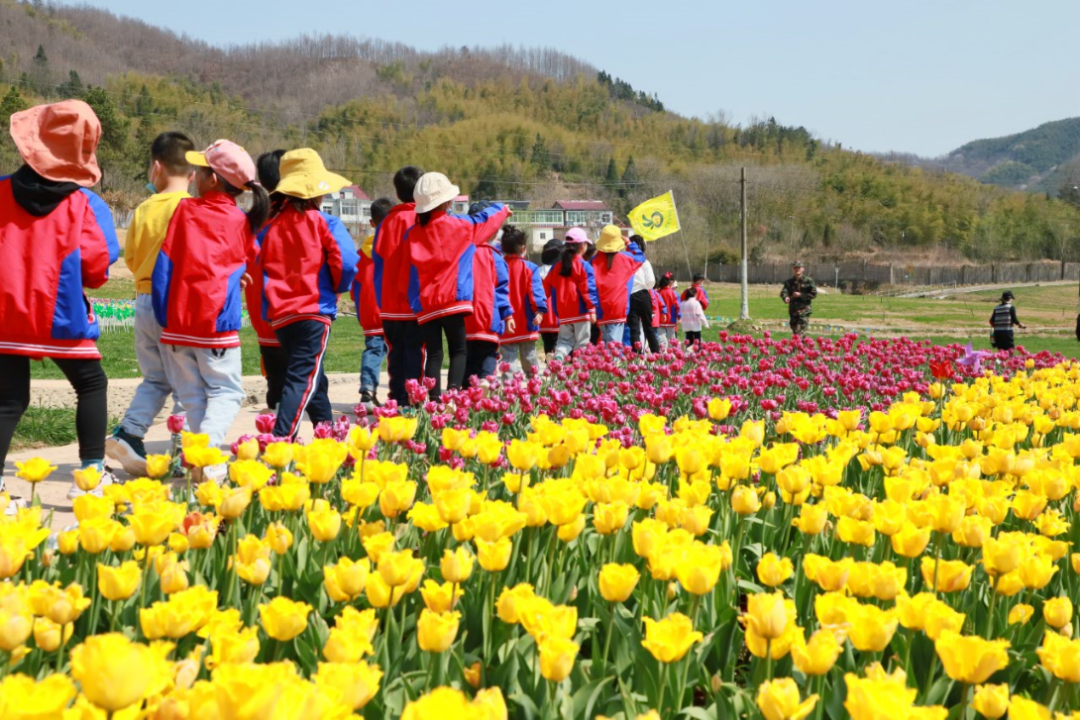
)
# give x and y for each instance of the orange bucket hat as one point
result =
(59, 141)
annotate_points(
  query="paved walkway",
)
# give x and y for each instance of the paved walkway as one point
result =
(344, 394)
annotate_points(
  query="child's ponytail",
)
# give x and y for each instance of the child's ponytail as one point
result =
(260, 206)
(569, 252)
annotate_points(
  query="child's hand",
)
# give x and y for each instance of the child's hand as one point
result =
(538, 319)
(510, 324)
(245, 280)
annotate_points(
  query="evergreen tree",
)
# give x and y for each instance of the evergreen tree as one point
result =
(540, 156)
(629, 178)
(73, 88)
(144, 104)
(41, 58)
(11, 103)
(611, 179)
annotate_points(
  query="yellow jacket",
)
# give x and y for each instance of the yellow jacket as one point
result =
(146, 234)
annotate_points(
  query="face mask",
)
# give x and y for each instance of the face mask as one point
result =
(152, 188)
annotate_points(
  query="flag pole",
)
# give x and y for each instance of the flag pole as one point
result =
(682, 237)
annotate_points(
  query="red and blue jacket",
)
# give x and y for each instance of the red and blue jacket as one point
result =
(196, 281)
(550, 323)
(671, 314)
(613, 283)
(45, 262)
(527, 298)
(307, 258)
(573, 297)
(491, 296)
(441, 282)
(363, 296)
(392, 264)
(702, 296)
(253, 294)
(659, 307)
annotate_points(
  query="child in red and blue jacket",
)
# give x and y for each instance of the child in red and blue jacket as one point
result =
(367, 311)
(572, 288)
(549, 323)
(671, 315)
(492, 313)
(56, 237)
(441, 284)
(614, 268)
(529, 302)
(307, 259)
(197, 287)
(391, 267)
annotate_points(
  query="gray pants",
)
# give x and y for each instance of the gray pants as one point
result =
(154, 390)
(209, 385)
(522, 357)
(572, 336)
(612, 333)
(667, 336)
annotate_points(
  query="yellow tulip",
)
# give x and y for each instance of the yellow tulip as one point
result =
(68, 542)
(1020, 613)
(513, 601)
(1058, 612)
(878, 696)
(118, 583)
(1061, 656)
(112, 671)
(991, 701)
(818, 655)
(811, 520)
(830, 576)
(669, 640)
(1002, 554)
(48, 635)
(250, 690)
(1021, 708)
(617, 582)
(397, 496)
(152, 526)
(765, 615)
(1035, 571)
(456, 565)
(324, 523)
(609, 518)
(278, 455)
(346, 580)
(435, 631)
(970, 659)
(283, 619)
(440, 598)
(355, 684)
(951, 575)
(396, 567)
(872, 628)
(557, 657)
(779, 700)
(495, 556)
(744, 500)
(34, 470)
(699, 569)
(278, 538)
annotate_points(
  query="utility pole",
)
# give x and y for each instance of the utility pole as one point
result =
(744, 311)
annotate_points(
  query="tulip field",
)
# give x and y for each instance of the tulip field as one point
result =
(759, 528)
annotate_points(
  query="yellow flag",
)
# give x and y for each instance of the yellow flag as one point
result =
(656, 218)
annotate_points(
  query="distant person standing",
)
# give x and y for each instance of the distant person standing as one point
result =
(798, 293)
(640, 317)
(699, 289)
(1002, 320)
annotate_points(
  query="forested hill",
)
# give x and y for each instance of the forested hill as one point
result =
(508, 123)
(1045, 158)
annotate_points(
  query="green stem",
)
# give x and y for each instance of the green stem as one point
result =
(768, 660)
(607, 640)
(990, 614)
(60, 651)
(963, 701)
(937, 562)
(663, 683)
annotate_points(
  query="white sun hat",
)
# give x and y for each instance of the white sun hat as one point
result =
(432, 190)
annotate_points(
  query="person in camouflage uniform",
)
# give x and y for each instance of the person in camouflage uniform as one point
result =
(798, 293)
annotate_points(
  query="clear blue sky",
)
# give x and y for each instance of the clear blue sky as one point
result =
(922, 76)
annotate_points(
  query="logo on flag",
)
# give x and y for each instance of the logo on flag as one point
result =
(656, 218)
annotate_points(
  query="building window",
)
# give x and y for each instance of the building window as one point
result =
(543, 236)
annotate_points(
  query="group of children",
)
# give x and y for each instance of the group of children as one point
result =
(425, 275)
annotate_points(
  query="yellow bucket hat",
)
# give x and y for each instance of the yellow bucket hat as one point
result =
(611, 240)
(303, 175)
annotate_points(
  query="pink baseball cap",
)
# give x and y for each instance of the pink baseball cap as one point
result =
(576, 236)
(228, 160)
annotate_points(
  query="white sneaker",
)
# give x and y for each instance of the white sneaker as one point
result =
(107, 478)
